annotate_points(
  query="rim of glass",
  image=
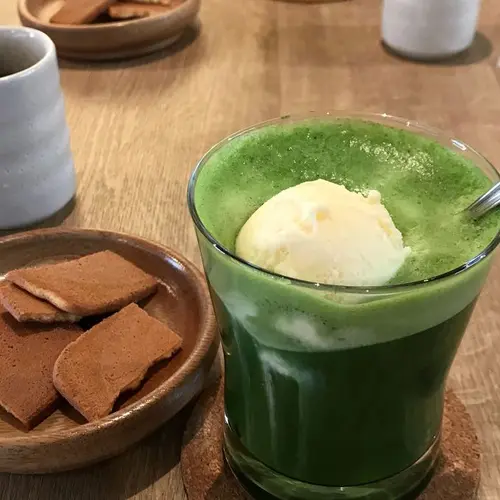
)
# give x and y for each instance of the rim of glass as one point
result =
(382, 118)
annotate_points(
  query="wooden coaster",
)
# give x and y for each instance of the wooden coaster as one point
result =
(207, 477)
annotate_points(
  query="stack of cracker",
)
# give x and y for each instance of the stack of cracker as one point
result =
(46, 353)
(87, 11)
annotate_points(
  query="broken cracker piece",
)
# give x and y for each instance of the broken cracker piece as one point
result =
(26, 307)
(28, 354)
(134, 10)
(172, 4)
(80, 11)
(110, 358)
(94, 284)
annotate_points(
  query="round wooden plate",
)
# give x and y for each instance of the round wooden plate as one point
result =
(64, 440)
(111, 40)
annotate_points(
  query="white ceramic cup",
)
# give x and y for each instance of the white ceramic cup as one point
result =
(37, 176)
(429, 29)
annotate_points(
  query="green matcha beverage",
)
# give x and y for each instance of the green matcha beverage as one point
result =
(343, 273)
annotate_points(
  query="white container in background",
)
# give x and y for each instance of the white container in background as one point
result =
(429, 29)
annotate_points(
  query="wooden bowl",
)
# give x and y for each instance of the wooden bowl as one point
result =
(107, 41)
(65, 441)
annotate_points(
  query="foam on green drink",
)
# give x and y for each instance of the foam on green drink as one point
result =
(423, 185)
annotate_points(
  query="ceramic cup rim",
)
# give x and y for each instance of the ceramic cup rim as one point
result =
(41, 39)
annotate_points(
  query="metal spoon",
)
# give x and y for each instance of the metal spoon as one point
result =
(485, 203)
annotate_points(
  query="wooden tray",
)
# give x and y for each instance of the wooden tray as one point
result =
(107, 41)
(64, 441)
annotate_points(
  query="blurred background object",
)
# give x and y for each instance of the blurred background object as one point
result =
(313, 1)
(429, 29)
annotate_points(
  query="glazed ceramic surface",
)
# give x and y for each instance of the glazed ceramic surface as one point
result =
(37, 176)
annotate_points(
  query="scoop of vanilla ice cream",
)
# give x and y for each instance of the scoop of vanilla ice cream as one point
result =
(320, 231)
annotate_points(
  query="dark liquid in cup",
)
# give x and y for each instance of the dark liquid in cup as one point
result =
(343, 417)
(334, 388)
(17, 55)
(5, 71)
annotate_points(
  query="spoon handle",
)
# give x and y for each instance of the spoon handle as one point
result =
(485, 203)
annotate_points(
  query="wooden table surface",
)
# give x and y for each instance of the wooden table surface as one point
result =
(138, 128)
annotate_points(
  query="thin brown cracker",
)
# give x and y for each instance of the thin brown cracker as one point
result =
(110, 358)
(80, 11)
(94, 284)
(133, 10)
(172, 4)
(26, 307)
(27, 357)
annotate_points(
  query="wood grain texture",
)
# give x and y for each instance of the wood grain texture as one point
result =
(138, 128)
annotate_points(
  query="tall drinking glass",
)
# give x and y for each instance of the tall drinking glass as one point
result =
(331, 392)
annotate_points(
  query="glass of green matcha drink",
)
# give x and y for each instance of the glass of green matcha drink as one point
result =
(343, 274)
